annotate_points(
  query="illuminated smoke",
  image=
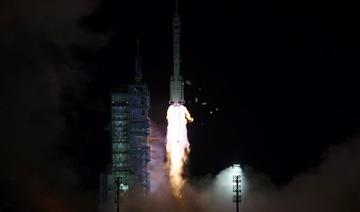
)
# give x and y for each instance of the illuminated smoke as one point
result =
(221, 189)
(157, 164)
(177, 145)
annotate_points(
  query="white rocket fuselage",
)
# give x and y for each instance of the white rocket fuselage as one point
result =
(176, 80)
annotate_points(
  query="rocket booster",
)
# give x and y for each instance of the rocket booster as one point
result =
(176, 80)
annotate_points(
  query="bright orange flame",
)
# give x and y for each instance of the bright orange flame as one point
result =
(177, 145)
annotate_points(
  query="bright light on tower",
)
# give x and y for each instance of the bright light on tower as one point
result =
(237, 178)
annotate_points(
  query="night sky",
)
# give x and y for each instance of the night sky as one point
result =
(284, 76)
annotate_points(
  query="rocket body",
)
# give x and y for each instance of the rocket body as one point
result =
(176, 80)
(176, 90)
(177, 144)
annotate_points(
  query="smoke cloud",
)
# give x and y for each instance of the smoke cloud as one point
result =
(157, 165)
(36, 67)
(332, 186)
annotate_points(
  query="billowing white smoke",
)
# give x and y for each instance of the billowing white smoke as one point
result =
(333, 186)
(222, 188)
(157, 164)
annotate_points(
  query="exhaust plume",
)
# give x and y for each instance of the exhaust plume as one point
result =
(177, 145)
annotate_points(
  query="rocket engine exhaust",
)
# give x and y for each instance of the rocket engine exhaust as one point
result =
(177, 146)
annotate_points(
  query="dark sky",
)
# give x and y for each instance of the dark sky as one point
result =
(285, 77)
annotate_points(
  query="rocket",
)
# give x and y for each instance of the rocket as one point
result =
(176, 80)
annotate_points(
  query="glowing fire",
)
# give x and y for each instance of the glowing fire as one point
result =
(177, 145)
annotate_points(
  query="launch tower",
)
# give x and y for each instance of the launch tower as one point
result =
(130, 127)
